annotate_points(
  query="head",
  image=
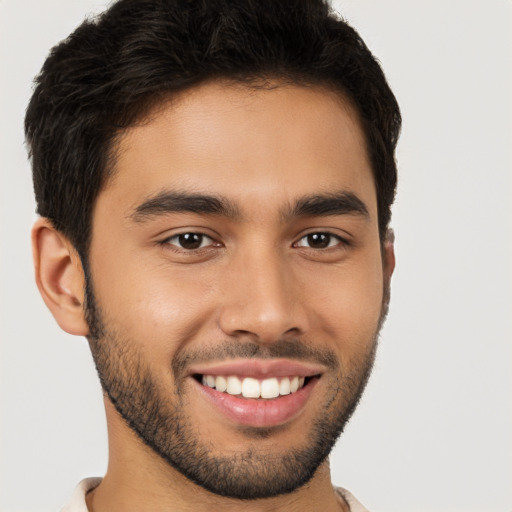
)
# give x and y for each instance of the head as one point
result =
(220, 176)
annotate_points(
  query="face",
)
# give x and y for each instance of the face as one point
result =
(237, 283)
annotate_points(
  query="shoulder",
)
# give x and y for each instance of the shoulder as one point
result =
(77, 502)
(353, 503)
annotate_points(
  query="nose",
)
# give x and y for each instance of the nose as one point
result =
(261, 300)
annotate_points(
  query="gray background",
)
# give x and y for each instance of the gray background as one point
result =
(434, 431)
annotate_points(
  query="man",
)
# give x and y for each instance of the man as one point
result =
(214, 181)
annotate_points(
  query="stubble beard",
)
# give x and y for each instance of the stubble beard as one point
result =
(160, 418)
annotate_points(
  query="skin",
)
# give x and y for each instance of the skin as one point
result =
(255, 279)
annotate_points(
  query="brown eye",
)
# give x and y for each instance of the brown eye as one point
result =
(319, 241)
(190, 241)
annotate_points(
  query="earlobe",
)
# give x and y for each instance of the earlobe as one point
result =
(59, 277)
(388, 255)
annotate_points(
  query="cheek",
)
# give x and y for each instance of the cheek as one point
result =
(155, 306)
(347, 308)
(165, 306)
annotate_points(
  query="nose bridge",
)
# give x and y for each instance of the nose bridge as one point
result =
(260, 298)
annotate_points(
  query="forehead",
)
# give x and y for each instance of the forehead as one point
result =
(245, 143)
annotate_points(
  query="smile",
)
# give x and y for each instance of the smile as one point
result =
(250, 387)
(259, 393)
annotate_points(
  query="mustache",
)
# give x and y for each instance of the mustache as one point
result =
(294, 349)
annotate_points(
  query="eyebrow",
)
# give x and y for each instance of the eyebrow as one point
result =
(315, 205)
(176, 202)
(324, 205)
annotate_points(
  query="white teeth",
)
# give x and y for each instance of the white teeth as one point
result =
(250, 387)
(284, 386)
(269, 388)
(234, 386)
(294, 384)
(220, 384)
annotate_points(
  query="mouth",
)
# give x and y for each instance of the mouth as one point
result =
(258, 394)
(253, 388)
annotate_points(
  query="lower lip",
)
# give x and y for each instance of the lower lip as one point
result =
(259, 412)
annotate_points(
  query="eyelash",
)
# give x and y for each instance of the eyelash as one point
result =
(340, 241)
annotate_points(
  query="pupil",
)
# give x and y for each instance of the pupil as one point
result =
(191, 240)
(318, 240)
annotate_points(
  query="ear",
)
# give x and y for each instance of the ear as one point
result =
(59, 277)
(388, 256)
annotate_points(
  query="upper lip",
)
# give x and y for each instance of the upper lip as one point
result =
(259, 368)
